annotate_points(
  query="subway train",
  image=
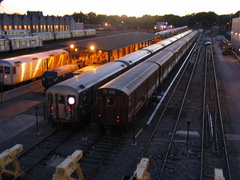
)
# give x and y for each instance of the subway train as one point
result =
(117, 102)
(62, 73)
(27, 42)
(59, 74)
(11, 40)
(22, 68)
(71, 101)
(169, 32)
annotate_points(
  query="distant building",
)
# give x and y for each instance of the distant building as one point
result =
(235, 34)
(34, 21)
(162, 26)
(79, 26)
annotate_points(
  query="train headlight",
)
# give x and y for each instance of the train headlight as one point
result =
(71, 100)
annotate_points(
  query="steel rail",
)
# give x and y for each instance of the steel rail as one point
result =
(220, 115)
(178, 117)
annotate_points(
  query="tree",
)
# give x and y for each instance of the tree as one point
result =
(195, 20)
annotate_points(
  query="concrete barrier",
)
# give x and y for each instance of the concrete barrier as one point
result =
(14, 93)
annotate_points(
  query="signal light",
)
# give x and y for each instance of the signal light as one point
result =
(69, 110)
(118, 120)
(52, 108)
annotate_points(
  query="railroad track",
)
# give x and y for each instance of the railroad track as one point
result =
(187, 145)
(171, 154)
(214, 150)
(100, 152)
(42, 150)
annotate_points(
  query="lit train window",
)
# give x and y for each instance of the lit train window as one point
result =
(110, 101)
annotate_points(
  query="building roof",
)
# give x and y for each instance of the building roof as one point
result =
(113, 42)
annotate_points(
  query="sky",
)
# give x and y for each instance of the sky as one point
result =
(136, 8)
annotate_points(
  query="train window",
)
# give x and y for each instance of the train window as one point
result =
(1, 69)
(110, 101)
(7, 70)
(50, 98)
(61, 99)
(112, 92)
(104, 91)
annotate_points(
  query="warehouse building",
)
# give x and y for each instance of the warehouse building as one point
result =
(235, 34)
(35, 21)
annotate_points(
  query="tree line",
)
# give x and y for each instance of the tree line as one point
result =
(204, 20)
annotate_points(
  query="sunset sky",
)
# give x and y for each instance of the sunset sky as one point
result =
(122, 7)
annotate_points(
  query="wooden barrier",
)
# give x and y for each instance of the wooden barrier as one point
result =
(68, 166)
(141, 172)
(8, 157)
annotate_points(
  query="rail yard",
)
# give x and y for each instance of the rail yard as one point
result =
(187, 129)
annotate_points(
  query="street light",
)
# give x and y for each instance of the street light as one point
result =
(92, 47)
(70, 51)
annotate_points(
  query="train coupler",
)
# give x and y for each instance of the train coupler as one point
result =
(68, 166)
(9, 164)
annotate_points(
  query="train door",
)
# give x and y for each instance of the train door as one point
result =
(110, 108)
(1, 75)
(115, 110)
(60, 106)
(5, 75)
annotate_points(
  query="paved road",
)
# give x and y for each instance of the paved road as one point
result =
(229, 67)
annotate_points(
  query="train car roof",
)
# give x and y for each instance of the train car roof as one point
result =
(3, 40)
(130, 80)
(62, 69)
(23, 38)
(88, 79)
(155, 47)
(43, 33)
(31, 57)
(168, 41)
(161, 57)
(170, 30)
(87, 68)
(134, 57)
(60, 32)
